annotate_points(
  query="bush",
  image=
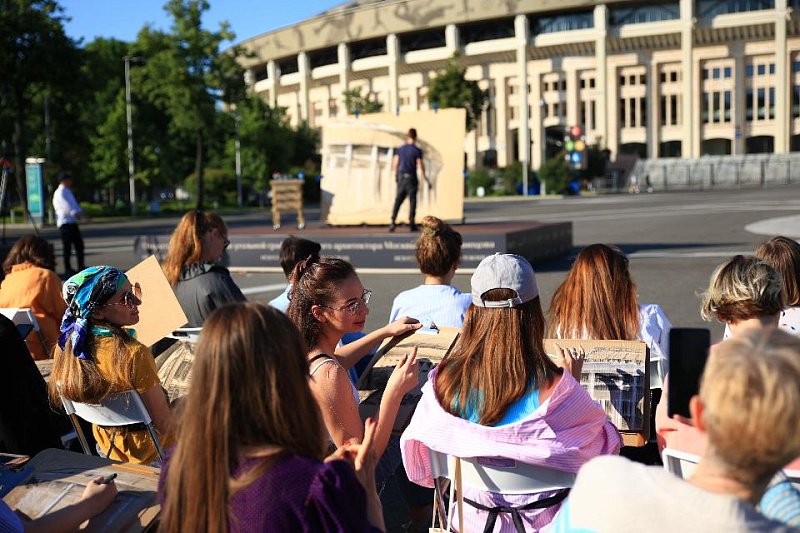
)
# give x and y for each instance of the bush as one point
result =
(555, 174)
(512, 177)
(480, 177)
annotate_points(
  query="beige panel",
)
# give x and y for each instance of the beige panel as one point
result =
(358, 186)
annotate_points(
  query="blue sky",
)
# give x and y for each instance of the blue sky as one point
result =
(122, 19)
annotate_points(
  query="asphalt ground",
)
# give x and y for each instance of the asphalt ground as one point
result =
(674, 241)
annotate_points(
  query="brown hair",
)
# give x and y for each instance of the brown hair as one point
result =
(295, 249)
(744, 287)
(314, 282)
(186, 243)
(30, 249)
(784, 256)
(254, 402)
(79, 380)
(499, 356)
(751, 393)
(597, 300)
(438, 247)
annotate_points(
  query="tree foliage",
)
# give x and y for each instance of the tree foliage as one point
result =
(451, 88)
(355, 103)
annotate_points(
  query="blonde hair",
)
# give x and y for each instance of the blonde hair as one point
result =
(186, 243)
(784, 255)
(751, 393)
(438, 247)
(743, 288)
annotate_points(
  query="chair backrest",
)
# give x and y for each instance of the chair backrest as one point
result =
(503, 476)
(680, 463)
(120, 409)
(20, 315)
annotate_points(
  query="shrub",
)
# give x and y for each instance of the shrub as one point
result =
(555, 174)
(480, 177)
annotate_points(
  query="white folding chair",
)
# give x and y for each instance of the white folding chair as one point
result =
(502, 476)
(24, 316)
(123, 409)
(680, 463)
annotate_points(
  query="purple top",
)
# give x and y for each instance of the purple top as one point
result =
(299, 494)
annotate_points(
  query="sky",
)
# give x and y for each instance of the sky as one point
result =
(122, 19)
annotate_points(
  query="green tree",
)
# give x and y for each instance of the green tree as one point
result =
(555, 174)
(189, 76)
(36, 56)
(451, 88)
(355, 103)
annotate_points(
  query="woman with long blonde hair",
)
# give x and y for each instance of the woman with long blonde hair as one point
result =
(201, 285)
(250, 448)
(598, 301)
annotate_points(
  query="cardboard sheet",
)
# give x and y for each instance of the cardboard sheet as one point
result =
(160, 313)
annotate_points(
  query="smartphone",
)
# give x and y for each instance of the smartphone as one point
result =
(688, 352)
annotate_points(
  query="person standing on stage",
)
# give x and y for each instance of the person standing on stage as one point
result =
(68, 210)
(404, 167)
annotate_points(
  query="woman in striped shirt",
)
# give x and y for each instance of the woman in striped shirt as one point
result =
(499, 396)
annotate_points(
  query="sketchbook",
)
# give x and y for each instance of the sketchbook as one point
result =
(432, 347)
(615, 374)
(59, 478)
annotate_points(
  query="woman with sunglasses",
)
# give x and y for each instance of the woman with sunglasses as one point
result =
(327, 301)
(195, 248)
(97, 357)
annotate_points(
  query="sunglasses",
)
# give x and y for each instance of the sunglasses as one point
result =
(131, 298)
(355, 306)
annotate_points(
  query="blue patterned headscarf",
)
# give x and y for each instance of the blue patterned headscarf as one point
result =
(84, 292)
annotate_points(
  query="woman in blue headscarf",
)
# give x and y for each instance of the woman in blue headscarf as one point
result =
(97, 357)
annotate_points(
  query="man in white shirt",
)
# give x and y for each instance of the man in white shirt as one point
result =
(67, 213)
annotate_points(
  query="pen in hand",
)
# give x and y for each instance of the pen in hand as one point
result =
(108, 479)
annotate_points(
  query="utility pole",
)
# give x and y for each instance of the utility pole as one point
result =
(136, 60)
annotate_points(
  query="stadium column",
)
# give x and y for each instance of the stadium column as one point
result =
(305, 78)
(782, 111)
(739, 96)
(652, 109)
(601, 60)
(274, 83)
(343, 53)
(522, 36)
(573, 98)
(451, 38)
(690, 145)
(393, 51)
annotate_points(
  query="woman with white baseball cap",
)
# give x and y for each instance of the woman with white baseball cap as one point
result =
(499, 395)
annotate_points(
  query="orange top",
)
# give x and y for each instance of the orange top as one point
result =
(28, 285)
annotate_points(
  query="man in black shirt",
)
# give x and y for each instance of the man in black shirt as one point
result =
(404, 167)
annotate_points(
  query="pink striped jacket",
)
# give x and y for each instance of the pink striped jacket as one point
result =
(563, 433)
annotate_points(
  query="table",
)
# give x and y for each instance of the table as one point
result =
(59, 477)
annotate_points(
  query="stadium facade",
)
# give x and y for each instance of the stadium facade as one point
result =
(679, 78)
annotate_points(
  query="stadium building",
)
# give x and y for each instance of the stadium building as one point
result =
(677, 78)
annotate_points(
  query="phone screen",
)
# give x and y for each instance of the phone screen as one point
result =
(688, 351)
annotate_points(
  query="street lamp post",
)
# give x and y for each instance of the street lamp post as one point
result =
(136, 60)
(238, 146)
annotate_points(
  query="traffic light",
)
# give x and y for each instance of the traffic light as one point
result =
(575, 145)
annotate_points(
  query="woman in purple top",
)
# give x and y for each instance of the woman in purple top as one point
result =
(250, 447)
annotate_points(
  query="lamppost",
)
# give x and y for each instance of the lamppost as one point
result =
(135, 60)
(238, 146)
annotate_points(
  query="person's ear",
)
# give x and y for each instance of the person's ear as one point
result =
(318, 313)
(697, 410)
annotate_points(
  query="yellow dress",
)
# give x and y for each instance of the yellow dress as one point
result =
(125, 445)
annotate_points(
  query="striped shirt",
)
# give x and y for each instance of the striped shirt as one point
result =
(567, 430)
(443, 305)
